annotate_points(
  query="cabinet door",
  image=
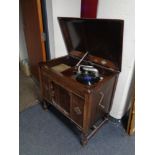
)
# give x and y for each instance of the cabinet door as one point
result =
(77, 109)
(60, 96)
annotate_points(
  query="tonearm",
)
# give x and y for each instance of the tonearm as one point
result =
(77, 65)
(86, 68)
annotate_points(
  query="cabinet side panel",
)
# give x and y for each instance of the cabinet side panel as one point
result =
(101, 101)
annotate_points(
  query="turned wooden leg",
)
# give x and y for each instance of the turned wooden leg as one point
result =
(45, 105)
(84, 139)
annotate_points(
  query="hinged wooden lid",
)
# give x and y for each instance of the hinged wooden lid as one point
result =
(100, 37)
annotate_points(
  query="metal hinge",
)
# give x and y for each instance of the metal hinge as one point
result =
(43, 36)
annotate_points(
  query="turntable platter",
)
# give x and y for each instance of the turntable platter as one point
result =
(87, 79)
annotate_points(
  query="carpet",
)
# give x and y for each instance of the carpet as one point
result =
(44, 133)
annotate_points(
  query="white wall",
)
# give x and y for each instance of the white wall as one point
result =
(22, 45)
(63, 8)
(121, 9)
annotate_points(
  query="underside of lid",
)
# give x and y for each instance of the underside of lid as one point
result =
(99, 37)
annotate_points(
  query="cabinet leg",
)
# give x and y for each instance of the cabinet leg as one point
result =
(45, 105)
(84, 139)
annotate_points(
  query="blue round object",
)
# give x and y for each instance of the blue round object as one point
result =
(87, 78)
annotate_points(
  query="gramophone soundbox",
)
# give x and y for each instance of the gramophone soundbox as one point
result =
(81, 85)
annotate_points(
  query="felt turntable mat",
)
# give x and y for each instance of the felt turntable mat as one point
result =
(61, 67)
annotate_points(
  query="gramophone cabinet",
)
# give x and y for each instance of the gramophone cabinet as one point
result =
(86, 106)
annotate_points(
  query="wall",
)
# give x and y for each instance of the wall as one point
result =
(49, 11)
(60, 8)
(121, 9)
(22, 45)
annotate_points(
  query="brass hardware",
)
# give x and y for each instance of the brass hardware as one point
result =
(103, 62)
(102, 106)
(101, 99)
(43, 36)
(77, 110)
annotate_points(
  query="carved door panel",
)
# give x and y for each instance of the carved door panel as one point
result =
(60, 96)
(77, 109)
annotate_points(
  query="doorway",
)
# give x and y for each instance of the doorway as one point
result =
(36, 33)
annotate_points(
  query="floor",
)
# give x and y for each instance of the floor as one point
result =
(28, 92)
(45, 133)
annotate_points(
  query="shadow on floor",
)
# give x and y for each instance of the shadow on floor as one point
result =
(28, 92)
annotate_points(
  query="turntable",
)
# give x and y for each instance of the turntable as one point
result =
(81, 85)
(87, 74)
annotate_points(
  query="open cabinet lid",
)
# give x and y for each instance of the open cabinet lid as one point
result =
(100, 37)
